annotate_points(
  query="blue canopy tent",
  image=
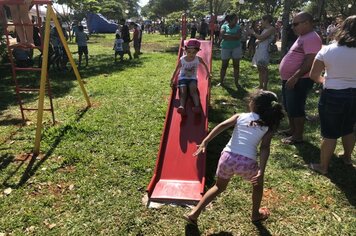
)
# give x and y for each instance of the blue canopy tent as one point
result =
(97, 23)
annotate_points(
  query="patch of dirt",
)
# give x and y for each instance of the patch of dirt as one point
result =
(26, 157)
(156, 47)
(49, 188)
(271, 197)
(67, 169)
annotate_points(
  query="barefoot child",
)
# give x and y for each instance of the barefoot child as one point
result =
(187, 78)
(239, 155)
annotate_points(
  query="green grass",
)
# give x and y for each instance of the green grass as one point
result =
(98, 162)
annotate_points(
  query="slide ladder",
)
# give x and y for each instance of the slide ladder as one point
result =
(179, 177)
(21, 86)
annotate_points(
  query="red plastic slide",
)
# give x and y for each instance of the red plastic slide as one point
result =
(179, 177)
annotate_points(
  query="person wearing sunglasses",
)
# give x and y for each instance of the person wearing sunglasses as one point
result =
(294, 71)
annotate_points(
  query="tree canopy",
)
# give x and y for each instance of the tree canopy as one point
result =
(112, 9)
(250, 9)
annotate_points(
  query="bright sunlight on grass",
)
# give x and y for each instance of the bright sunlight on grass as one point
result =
(98, 162)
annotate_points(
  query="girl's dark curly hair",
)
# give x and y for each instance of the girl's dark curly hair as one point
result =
(265, 104)
(346, 35)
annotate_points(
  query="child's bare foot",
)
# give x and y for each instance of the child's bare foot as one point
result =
(181, 110)
(346, 160)
(263, 214)
(318, 168)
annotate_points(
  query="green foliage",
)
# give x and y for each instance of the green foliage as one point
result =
(173, 17)
(199, 9)
(113, 9)
(162, 8)
(3, 50)
(337, 7)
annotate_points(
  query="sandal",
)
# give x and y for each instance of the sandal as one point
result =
(317, 168)
(264, 214)
(291, 141)
(190, 220)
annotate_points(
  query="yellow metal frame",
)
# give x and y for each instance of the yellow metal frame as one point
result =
(52, 16)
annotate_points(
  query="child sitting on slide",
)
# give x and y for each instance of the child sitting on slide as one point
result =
(187, 78)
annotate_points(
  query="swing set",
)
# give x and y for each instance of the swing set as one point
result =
(44, 48)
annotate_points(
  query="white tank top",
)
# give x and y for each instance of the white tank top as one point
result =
(189, 68)
(245, 137)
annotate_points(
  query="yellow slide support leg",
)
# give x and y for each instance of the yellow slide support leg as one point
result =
(52, 16)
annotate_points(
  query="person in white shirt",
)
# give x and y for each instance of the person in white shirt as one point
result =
(337, 103)
(240, 154)
(118, 47)
(330, 31)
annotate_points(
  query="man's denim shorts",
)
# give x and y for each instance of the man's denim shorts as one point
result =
(294, 99)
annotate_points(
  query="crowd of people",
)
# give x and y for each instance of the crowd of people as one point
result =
(299, 69)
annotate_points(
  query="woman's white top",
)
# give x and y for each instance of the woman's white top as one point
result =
(189, 68)
(246, 137)
(261, 57)
(340, 66)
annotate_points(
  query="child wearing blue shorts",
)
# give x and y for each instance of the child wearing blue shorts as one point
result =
(187, 78)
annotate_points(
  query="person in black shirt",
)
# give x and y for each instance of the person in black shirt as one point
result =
(125, 35)
(193, 31)
(204, 28)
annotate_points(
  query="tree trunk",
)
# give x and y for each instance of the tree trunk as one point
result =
(321, 7)
(285, 22)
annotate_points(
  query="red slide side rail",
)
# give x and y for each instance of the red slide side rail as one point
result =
(165, 127)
